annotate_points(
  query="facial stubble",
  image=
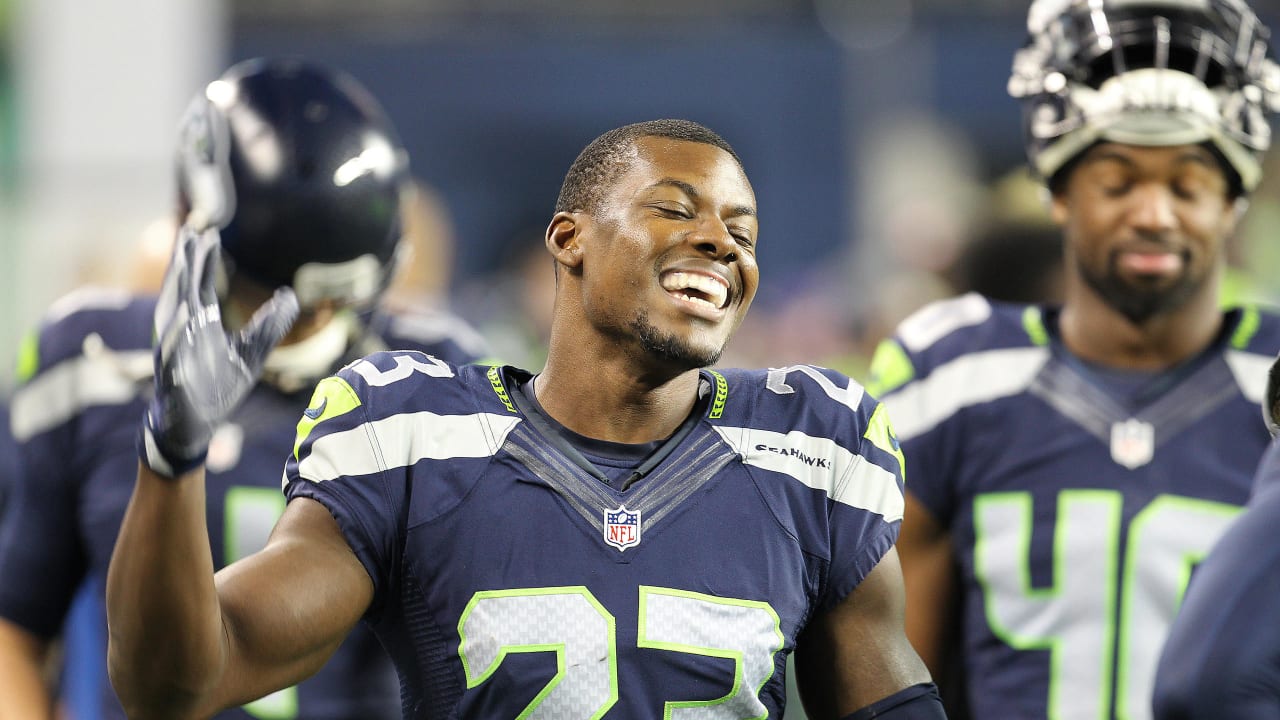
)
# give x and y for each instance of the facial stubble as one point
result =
(671, 348)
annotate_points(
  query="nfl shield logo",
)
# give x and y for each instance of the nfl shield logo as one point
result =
(1132, 442)
(622, 527)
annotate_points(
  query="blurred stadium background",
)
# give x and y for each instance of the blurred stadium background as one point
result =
(877, 133)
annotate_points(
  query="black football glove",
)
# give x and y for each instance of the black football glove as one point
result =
(202, 372)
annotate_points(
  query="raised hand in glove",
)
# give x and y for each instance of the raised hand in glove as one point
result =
(202, 371)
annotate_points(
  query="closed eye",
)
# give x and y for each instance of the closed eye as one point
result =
(673, 211)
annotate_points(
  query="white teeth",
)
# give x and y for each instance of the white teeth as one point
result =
(710, 290)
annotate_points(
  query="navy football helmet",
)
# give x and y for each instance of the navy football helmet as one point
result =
(302, 172)
(1146, 72)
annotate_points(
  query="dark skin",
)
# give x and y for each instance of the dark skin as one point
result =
(1145, 231)
(275, 617)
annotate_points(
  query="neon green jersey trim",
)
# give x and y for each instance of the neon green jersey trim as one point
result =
(1250, 319)
(1033, 324)
(333, 397)
(890, 368)
(28, 356)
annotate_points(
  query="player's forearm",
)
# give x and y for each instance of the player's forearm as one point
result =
(928, 576)
(166, 642)
(24, 694)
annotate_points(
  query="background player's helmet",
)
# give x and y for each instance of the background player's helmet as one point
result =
(302, 172)
(1146, 72)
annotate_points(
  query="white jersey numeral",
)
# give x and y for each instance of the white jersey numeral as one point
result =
(1099, 607)
(406, 365)
(572, 623)
(849, 396)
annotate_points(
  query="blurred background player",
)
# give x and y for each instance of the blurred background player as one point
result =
(1221, 660)
(305, 177)
(1069, 463)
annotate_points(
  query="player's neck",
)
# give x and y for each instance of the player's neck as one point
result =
(1098, 333)
(609, 402)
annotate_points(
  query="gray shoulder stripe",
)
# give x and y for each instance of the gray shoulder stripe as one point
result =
(68, 388)
(967, 380)
(937, 320)
(402, 440)
(90, 297)
(1250, 370)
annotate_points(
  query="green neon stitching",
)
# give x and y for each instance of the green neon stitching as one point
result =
(722, 394)
(495, 381)
(1033, 324)
(1250, 319)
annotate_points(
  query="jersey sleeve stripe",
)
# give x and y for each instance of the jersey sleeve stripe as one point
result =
(967, 380)
(401, 441)
(936, 321)
(65, 390)
(821, 464)
(1250, 370)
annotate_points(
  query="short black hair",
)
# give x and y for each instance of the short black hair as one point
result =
(604, 159)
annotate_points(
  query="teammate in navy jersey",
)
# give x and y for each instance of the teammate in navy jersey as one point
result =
(626, 534)
(1069, 465)
(298, 171)
(1221, 660)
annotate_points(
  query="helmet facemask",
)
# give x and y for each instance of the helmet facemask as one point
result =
(1146, 72)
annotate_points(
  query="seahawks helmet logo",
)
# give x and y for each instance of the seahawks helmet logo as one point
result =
(315, 412)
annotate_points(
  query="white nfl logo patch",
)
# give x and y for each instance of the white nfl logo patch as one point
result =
(622, 527)
(1133, 443)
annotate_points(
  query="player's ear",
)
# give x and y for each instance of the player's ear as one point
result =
(1057, 206)
(564, 236)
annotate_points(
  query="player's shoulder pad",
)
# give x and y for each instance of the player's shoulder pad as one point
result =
(88, 321)
(1253, 342)
(944, 331)
(436, 332)
(387, 387)
(787, 398)
(92, 349)
(393, 382)
(811, 422)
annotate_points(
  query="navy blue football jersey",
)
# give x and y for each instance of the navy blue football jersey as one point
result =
(509, 581)
(86, 379)
(1077, 498)
(1222, 656)
(8, 455)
